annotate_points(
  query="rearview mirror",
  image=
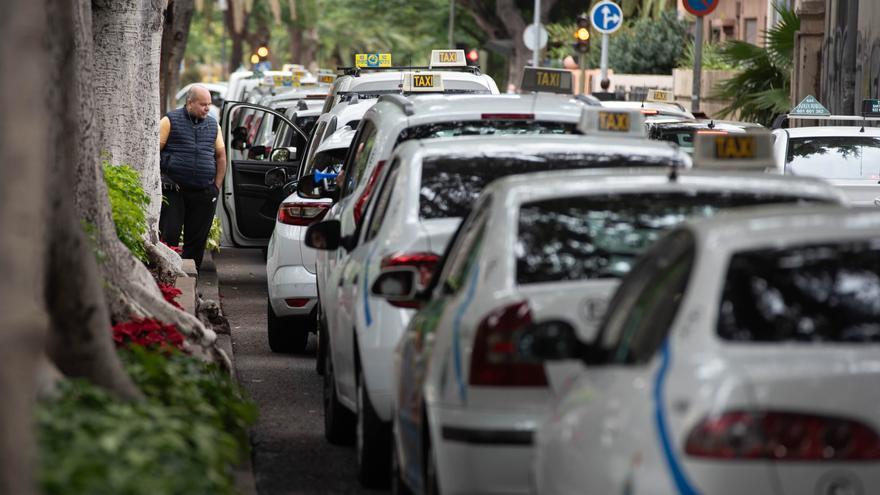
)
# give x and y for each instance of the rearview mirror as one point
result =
(399, 286)
(553, 340)
(287, 154)
(275, 178)
(326, 235)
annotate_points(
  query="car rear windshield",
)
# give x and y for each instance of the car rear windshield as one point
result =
(600, 236)
(484, 128)
(451, 184)
(814, 293)
(834, 157)
(327, 161)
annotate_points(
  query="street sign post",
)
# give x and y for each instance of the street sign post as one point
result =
(529, 37)
(698, 8)
(606, 17)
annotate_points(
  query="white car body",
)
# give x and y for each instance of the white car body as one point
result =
(861, 187)
(684, 414)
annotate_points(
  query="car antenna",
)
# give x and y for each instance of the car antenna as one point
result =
(712, 124)
(673, 173)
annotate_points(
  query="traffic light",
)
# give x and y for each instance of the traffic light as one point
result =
(582, 34)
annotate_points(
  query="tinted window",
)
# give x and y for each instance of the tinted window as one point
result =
(600, 236)
(328, 161)
(451, 184)
(461, 256)
(316, 139)
(484, 128)
(360, 155)
(816, 293)
(306, 123)
(834, 157)
(382, 202)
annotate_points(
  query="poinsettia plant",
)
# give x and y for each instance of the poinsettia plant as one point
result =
(147, 332)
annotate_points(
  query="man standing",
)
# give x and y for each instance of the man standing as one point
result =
(193, 165)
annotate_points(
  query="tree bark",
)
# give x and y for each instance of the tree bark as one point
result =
(23, 213)
(236, 36)
(178, 17)
(514, 24)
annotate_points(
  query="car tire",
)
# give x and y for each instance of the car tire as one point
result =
(398, 486)
(339, 422)
(286, 334)
(372, 441)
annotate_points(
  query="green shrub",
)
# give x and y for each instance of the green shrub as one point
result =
(213, 243)
(128, 202)
(183, 439)
(712, 58)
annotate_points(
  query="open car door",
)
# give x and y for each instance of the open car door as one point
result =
(258, 140)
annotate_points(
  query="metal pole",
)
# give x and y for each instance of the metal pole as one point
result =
(603, 61)
(537, 23)
(451, 40)
(698, 65)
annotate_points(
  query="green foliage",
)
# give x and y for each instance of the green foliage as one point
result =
(761, 90)
(214, 235)
(128, 203)
(183, 439)
(712, 58)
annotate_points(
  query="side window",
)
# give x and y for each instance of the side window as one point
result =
(314, 142)
(463, 254)
(641, 312)
(382, 202)
(359, 155)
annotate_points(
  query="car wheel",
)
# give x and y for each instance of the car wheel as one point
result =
(338, 421)
(372, 440)
(398, 486)
(288, 334)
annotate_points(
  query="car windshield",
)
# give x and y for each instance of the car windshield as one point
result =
(451, 184)
(600, 236)
(683, 137)
(834, 157)
(484, 128)
(814, 293)
(327, 161)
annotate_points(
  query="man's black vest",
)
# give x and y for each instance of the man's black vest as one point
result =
(188, 157)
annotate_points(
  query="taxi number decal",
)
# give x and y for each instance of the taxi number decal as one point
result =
(551, 79)
(614, 121)
(730, 147)
(423, 81)
(448, 57)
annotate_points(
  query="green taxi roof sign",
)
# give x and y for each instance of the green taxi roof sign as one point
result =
(810, 106)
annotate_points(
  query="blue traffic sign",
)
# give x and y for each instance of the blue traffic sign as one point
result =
(606, 17)
(700, 8)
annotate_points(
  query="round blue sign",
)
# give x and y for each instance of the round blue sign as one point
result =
(606, 17)
(700, 8)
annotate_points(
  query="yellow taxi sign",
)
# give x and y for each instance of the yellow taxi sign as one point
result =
(607, 121)
(660, 96)
(448, 58)
(546, 80)
(752, 150)
(422, 82)
(280, 80)
(292, 67)
(326, 78)
(372, 60)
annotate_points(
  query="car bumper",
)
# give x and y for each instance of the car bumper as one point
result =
(292, 282)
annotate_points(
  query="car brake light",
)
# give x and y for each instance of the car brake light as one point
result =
(507, 116)
(425, 263)
(361, 203)
(302, 213)
(494, 360)
(650, 111)
(782, 436)
(706, 132)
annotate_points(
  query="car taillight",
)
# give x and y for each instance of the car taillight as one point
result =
(302, 213)
(425, 263)
(782, 436)
(650, 111)
(707, 132)
(494, 359)
(361, 203)
(507, 116)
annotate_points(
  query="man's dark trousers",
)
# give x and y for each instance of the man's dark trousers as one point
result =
(192, 209)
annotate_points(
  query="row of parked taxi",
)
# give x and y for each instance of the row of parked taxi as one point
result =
(525, 294)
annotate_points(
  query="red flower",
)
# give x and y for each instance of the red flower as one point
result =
(147, 332)
(170, 293)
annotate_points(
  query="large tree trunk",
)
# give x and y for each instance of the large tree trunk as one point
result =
(295, 41)
(236, 36)
(309, 54)
(23, 213)
(514, 24)
(178, 17)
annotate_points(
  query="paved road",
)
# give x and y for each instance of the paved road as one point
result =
(290, 455)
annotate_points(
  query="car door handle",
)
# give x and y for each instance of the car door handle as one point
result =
(877, 201)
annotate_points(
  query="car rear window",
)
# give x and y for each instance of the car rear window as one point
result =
(327, 161)
(451, 184)
(813, 293)
(834, 157)
(600, 236)
(484, 128)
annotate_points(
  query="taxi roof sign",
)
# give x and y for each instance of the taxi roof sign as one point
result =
(448, 58)
(752, 150)
(871, 108)
(371, 60)
(280, 80)
(422, 82)
(612, 122)
(659, 96)
(538, 79)
(809, 106)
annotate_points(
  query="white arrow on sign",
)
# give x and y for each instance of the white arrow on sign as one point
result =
(607, 17)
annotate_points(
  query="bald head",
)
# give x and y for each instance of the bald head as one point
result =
(198, 101)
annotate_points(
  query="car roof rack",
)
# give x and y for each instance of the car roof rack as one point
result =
(401, 101)
(356, 71)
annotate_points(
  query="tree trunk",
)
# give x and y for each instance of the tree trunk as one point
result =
(178, 17)
(23, 213)
(514, 24)
(236, 37)
(295, 41)
(308, 56)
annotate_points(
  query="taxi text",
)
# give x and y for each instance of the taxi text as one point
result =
(614, 121)
(423, 81)
(733, 147)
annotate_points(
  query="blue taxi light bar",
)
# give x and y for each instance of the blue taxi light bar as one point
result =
(751, 151)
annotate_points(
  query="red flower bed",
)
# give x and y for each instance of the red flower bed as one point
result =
(147, 332)
(176, 249)
(170, 293)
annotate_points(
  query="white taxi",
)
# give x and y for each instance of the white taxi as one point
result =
(738, 356)
(548, 246)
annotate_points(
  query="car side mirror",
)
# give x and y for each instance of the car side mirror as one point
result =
(326, 235)
(289, 188)
(553, 340)
(399, 286)
(308, 188)
(275, 178)
(287, 154)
